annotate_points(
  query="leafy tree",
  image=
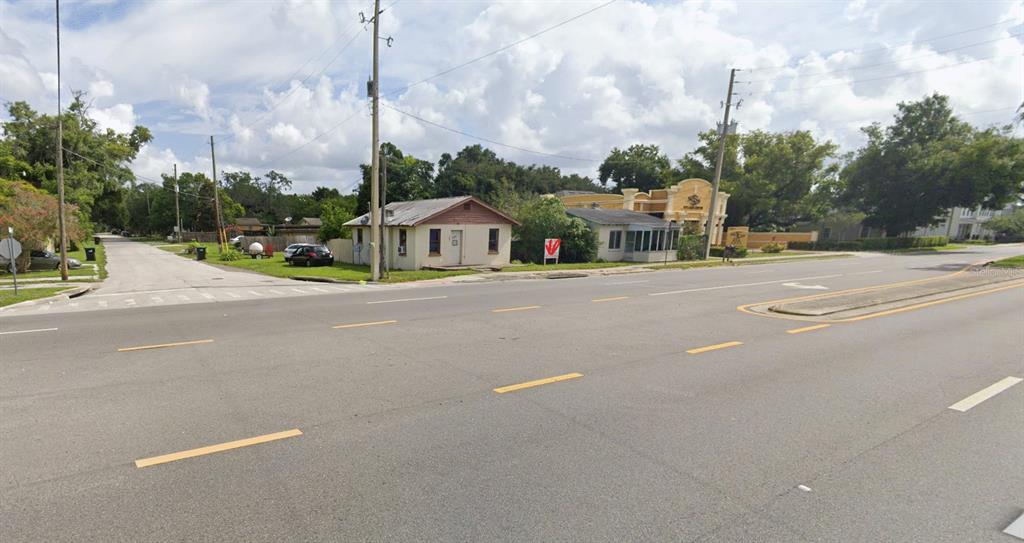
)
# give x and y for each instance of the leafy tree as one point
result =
(33, 213)
(543, 218)
(640, 166)
(262, 196)
(782, 178)
(909, 173)
(96, 173)
(323, 193)
(1010, 227)
(408, 178)
(334, 213)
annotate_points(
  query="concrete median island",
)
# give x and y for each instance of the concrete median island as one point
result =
(863, 303)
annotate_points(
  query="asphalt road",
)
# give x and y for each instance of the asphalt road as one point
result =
(842, 433)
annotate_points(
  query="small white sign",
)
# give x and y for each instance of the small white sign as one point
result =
(551, 248)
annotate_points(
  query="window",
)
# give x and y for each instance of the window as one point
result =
(492, 241)
(615, 239)
(865, 231)
(826, 233)
(963, 231)
(359, 236)
(645, 245)
(435, 241)
(674, 240)
(630, 240)
(402, 238)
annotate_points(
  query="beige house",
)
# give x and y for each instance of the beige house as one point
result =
(686, 202)
(443, 232)
(629, 236)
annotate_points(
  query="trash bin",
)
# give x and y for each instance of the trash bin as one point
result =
(96, 240)
(200, 253)
(90, 254)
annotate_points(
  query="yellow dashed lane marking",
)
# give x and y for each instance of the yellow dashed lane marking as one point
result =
(715, 347)
(163, 345)
(615, 299)
(163, 459)
(361, 324)
(537, 383)
(507, 309)
(807, 328)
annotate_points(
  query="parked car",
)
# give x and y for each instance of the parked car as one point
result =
(43, 260)
(312, 255)
(236, 241)
(290, 250)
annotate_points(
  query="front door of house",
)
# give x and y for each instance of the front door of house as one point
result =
(453, 256)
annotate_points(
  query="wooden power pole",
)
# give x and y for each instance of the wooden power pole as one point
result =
(723, 134)
(60, 167)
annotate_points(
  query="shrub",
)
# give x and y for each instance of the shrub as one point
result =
(884, 244)
(192, 246)
(546, 218)
(773, 247)
(230, 253)
(691, 247)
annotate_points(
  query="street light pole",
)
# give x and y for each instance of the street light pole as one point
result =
(177, 205)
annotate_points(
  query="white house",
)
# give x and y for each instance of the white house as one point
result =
(962, 223)
(443, 232)
(630, 236)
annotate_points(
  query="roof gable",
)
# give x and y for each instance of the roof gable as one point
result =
(419, 211)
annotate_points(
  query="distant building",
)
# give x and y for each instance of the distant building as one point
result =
(687, 202)
(443, 232)
(963, 223)
(250, 226)
(629, 236)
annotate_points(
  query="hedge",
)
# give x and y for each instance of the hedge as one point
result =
(690, 248)
(870, 244)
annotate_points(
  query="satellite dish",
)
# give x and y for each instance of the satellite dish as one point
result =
(364, 220)
(287, 219)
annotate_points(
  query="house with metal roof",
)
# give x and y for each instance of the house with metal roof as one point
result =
(438, 233)
(630, 236)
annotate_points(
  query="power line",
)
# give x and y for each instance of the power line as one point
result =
(137, 176)
(311, 140)
(886, 48)
(896, 61)
(893, 76)
(499, 50)
(468, 135)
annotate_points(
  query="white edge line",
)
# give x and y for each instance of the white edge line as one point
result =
(28, 331)
(984, 394)
(745, 284)
(407, 300)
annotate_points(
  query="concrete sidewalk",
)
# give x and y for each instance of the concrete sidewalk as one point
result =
(861, 301)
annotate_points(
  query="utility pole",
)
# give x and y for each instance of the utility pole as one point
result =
(177, 206)
(723, 134)
(216, 198)
(375, 152)
(384, 217)
(60, 166)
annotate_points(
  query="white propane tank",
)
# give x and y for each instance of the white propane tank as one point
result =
(256, 248)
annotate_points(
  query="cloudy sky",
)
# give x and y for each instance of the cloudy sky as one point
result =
(281, 83)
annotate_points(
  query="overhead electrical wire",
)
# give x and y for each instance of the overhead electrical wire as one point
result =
(892, 76)
(495, 142)
(896, 61)
(498, 50)
(888, 47)
(137, 176)
(444, 72)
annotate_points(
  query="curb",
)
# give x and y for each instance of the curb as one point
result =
(73, 293)
(313, 279)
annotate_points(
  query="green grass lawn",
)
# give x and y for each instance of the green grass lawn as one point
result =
(1012, 262)
(7, 297)
(81, 274)
(947, 247)
(277, 267)
(567, 266)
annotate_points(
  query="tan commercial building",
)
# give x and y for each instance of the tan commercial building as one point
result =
(686, 202)
(443, 232)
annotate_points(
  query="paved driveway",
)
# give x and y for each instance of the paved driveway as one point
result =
(140, 275)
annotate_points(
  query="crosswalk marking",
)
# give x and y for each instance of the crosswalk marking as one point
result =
(129, 301)
(232, 294)
(278, 292)
(254, 293)
(183, 297)
(318, 289)
(156, 299)
(299, 290)
(207, 295)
